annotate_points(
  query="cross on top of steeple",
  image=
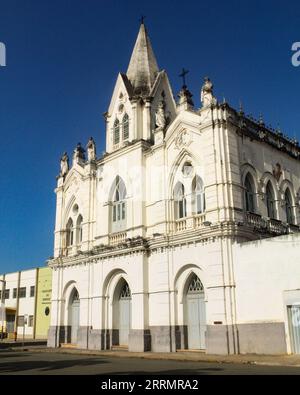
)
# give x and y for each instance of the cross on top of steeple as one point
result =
(182, 75)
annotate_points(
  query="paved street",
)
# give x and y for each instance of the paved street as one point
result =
(43, 363)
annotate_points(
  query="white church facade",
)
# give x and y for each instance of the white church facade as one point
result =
(184, 233)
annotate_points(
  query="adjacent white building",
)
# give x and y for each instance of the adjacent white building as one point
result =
(19, 298)
(26, 298)
(170, 240)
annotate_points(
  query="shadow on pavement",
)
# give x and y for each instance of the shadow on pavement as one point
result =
(176, 372)
(43, 365)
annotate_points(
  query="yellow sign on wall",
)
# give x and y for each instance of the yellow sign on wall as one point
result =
(43, 303)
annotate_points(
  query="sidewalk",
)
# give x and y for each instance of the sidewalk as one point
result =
(271, 360)
(8, 343)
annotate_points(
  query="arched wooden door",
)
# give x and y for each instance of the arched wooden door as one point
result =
(124, 314)
(74, 314)
(196, 315)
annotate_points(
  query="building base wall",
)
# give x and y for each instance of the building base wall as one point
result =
(95, 339)
(58, 335)
(217, 340)
(262, 338)
(139, 340)
(168, 338)
(257, 338)
(83, 335)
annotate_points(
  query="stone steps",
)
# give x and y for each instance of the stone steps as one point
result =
(68, 345)
(119, 348)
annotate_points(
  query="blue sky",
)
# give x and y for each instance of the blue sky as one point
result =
(62, 62)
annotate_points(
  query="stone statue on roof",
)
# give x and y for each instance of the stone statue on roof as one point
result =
(64, 165)
(160, 117)
(91, 150)
(207, 97)
(78, 154)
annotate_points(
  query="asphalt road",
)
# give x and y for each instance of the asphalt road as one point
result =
(43, 363)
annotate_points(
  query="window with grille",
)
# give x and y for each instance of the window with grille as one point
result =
(125, 123)
(180, 201)
(198, 197)
(288, 206)
(6, 294)
(79, 229)
(119, 205)
(70, 232)
(249, 194)
(125, 292)
(22, 292)
(270, 200)
(195, 285)
(116, 136)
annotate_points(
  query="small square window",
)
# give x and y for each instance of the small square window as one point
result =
(22, 292)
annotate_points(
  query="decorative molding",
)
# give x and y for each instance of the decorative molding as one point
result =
(184, 139)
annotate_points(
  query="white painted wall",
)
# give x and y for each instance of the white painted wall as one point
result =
(264, 270)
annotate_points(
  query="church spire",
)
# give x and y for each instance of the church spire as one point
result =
(143, 68)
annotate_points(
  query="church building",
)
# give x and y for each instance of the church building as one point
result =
(184, 234)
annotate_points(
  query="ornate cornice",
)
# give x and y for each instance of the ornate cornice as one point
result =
(257, 130)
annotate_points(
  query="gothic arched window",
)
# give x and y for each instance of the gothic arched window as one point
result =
(180, 201)
(270, 200)
(125, 127)
(70, 232)
(195, 285)
(125, 291)
(198, 197)
(119, 203)
(249, 193)
(116, 132)
(288, 206)
(79, 229)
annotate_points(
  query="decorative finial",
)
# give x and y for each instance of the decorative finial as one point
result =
(278, 130)
(261, 120)
(241, 109)
(182, 75)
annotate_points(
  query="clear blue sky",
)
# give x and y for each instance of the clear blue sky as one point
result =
(62, 62)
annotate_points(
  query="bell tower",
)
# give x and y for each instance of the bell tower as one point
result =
(138, 96)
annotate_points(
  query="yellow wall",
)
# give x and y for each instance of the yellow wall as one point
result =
(44, 289)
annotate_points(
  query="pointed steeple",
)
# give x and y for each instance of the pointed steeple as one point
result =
(143, 68)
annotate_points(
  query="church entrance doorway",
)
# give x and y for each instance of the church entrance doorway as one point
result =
(195, 314)
(74, 315)
(124, 314)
